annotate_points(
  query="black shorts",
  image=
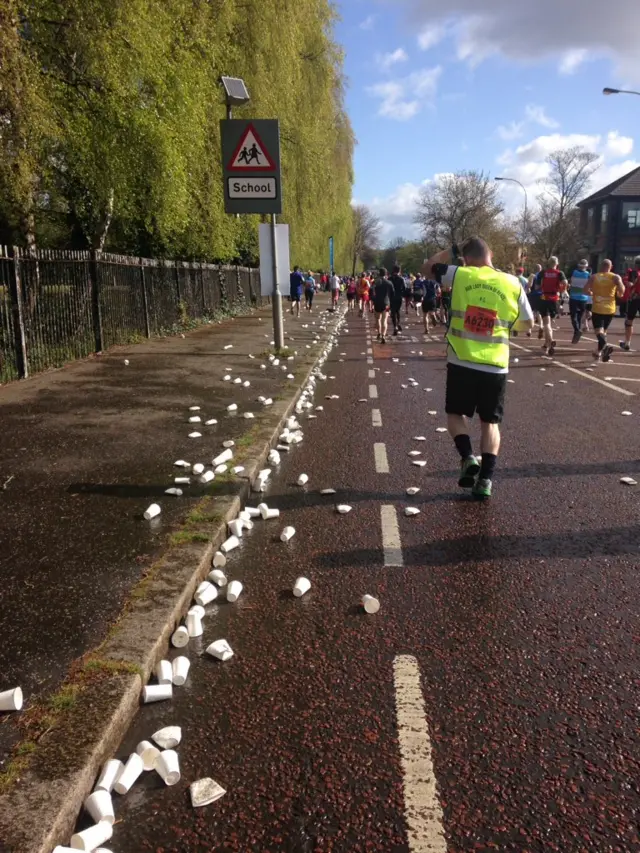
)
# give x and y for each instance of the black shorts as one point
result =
(428, 306)
(633, 309)
(534, 301)
(296, 297)
(601, 321)
(546, 308)
(470, 391)
(380, 307)
(445, 300)
(351, 297)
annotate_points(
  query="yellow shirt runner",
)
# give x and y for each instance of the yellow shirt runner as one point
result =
(604, 287)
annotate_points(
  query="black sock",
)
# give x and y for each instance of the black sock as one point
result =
(488, 466)
(601, 342)
(463, 443)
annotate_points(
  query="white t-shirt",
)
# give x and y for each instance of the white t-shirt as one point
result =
(525, 313)
(335, 282)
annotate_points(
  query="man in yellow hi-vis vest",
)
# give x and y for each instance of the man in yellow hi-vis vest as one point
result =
(485, 306)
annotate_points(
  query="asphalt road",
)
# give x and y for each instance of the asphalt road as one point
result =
(492, 703)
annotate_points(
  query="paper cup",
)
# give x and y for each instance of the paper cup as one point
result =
(301, 586)
(93, 837)
(180, 637)
(252, 511)
(168, 767)
(236, 527)
(11, 700)
(231, 543)
(198, 468)
(219, 560)
(195, 419)
(303, 479)
(128, 775)
(180, 670)
(156, 693)
(198, 609)
(370, 604)
(233, 407)
(163, 673)
(168, 738)
(148, 753)
(218, 577)
(194, 627)
(151, 512)
(221, 469)
(225, 456)
(234, 589)
(287, 534)
(100, 806)
(205, 594)
(182, 481)
(271, 513)
(110, 772)
(220, 650)
(207, 477)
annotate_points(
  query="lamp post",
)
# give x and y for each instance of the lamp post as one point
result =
(526, 209)
(608, 91)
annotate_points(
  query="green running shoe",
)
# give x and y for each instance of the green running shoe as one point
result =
(482, 489)
(469, 470)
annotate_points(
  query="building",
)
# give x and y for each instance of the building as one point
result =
(610, 223)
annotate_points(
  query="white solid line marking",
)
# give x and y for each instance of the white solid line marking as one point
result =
(380, 455)
(376, 417)
(373, 392)
(422, 808)
(372, 374)
(622, 379)
(390, 536)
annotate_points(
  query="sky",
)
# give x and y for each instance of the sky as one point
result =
(436, 86)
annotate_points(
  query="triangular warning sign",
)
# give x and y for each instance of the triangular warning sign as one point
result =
(251, 154)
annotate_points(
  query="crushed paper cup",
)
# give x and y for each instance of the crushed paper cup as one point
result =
(163, 672)
(11, 700)
(228, 346)
(128, 775)
(174, 492)
(203, 792)
(218, 577)
(156, 693)
(268, 402)
(207, 477)
(548, 384)
(328, 492)
(151, 512)
(100, 806)
(225, 456)
(229, 443)
(237, 381)
(419, 438)
(628, 481)
(221, 469)
(168, 737)
(211, 422)
(219, 560)
(226, 377)
(414, 453)
(419, 462)
(231, 543)
(343, 509)
(194, 627)
(238, 469)
(232, 407)
(413, 490)
(148, 753)
(194, 408)
(441, 429)
(626, 413)
(92, 837)
(432, 412)
(411, 510)
(287, 534)
(167, 767)
(198, 609)
(249, 415)
(221, 650)
(234, 590)
(370, 604)
(301, 586)
(198, 468)
(181, 464)
(195, 435)
(205, 594)
(195, 419)
(180, 637)
(303, 479)
(180, 667)
(182, 481)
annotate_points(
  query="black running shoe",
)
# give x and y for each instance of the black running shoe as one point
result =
(606, 352)
(576, 337)
(552, 349)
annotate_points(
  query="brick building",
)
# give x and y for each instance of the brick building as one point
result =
(610, 223)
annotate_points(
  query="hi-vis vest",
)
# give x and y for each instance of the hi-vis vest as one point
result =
(484, 306)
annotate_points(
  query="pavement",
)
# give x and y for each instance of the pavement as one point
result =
(491, 703)
(85, 450)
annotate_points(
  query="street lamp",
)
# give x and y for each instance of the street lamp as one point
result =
(608, 91)
(235, 93)
(526, 207)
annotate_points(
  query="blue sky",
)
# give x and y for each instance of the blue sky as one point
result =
(435, 86)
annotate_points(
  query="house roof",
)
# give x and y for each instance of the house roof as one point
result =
(627, 185)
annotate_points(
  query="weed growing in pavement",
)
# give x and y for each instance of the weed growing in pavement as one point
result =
(187, 537)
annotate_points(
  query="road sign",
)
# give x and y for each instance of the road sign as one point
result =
(331, 259)
(251, 165)
(265, 235)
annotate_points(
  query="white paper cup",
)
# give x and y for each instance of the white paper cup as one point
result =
(231, 543)
(287, 534)
(198, 468)
(148, 753)
(182, 481)
(156, 693)
(180, 637)
(180, 670)
(168, 738)
(110, 772)
(100, 806)
(236, 527)
(163, 673)
(195, 419)
(207, 477)
(93, 837)
(221, 469)
(225, 456)
(233, 407)
(303, 479)
(221, 650)
(263, 509)
(11, 700)
(271, 513)
(234, 590)
(370, 604)
(151, 512)
(128, 775)
(218, 577)
(198, 609)
(252, 511)
(219, 560)
(168, 767)
(301, 586)
(205, 594)
(194, 627)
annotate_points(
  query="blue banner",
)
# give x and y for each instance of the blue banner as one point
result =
(331, 266)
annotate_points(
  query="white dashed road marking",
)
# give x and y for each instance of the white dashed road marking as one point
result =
(369, 361)
(390, 536)
(372, 374)
(373, 392)
(422, 809)
(380, 455)
(376, 417)
(369, 351)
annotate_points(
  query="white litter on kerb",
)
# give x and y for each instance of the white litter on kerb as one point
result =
(287, 534)
(168, 737)
(175, 492)
(156, 693)
(151, 512)
(414, 453)
(225, 456)
(419, 438)
(419, 462)
(207, 477)
(303, 479)
(548, 384)
(181, 464)
(203, 792)
(198, 468)
(628, 481)
(626, 413)
(413, 490)
(441, 429)
(543, 369)
(343, 509)
(221, 650)
(194, 408)
(231, 543)
(238, 469)
(180, 670)
(91, 838)
(249, 416)
(126, 361)
(511, 381)
(11, 700)
(198, 609)
(232, 407)
(211, 422)
(163, 672)
(370, 604)
(411, 510)
(237, 381)
(218, 577)
(432, 412)
(180, 637)
(195, 419)
(195, 435)
(167, 766)
(229, 346)
(110, 772)
(563, 381)
(236, 527)
(219, 560)
(205, 594)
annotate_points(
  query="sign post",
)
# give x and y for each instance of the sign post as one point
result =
(253, 184)
(331, 255)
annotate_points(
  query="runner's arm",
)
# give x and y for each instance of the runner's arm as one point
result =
(621, 287)
(524, 322)
(588, 289)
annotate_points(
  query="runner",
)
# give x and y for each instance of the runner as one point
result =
(534, 298)
(363, 293)
(396, 306)
(551, 281)
(524, 281)
(486, 305)
(417, 292)
(604, 286)
(309, 291)
(382, 296)
(351, 294)
(429, 303)
(408, 294)
(633, 304)
(445, 302)
(578, 299)
(335, 290)
(296, 284)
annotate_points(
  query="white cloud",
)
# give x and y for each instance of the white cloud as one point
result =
(619, 146)
(403, 98)
(368, 23)
(549, 28)
(511, 131)
(533, 114)
(430, 36)
(536, 114)
(387, 60)
(572, 60)
(396, 211)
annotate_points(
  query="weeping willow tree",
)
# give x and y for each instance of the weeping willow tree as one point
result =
(110, 116)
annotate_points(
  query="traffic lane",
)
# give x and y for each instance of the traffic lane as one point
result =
(300, 725)
(524, 621)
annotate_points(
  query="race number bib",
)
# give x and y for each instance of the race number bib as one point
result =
(480, 321)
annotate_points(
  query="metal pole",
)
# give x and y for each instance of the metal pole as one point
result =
(276, 296)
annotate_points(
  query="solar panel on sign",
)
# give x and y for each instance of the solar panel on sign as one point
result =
(235, 90)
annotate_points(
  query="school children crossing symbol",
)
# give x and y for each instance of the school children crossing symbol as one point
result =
(251, 154)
